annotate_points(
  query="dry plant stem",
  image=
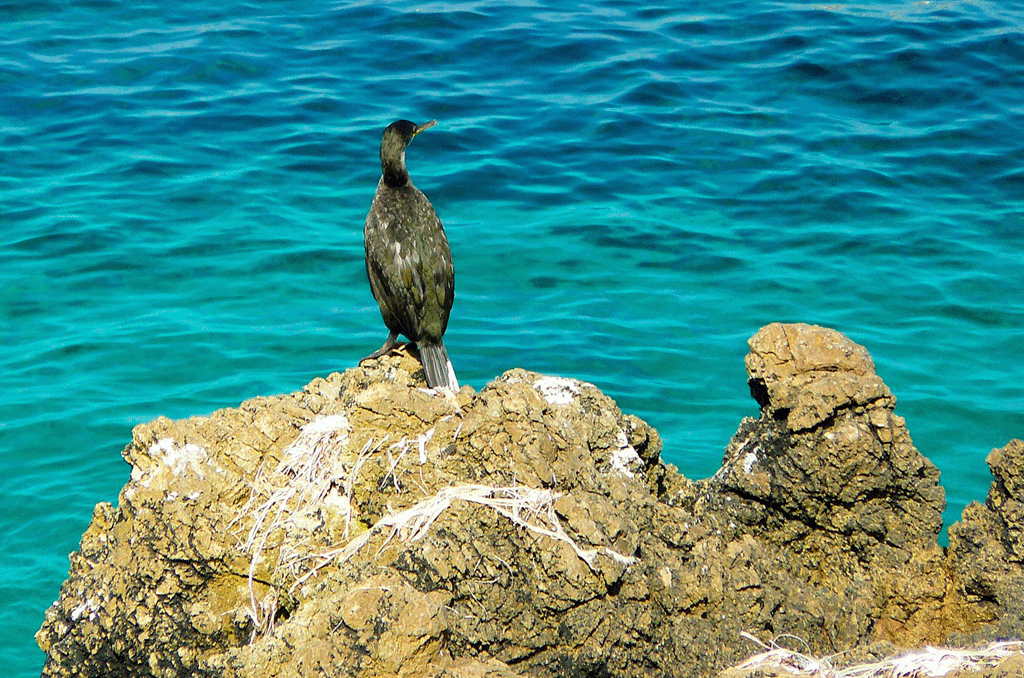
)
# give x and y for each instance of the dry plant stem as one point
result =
(311, 467)
(931, 661)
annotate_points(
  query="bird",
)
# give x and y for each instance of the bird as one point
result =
(408, 260)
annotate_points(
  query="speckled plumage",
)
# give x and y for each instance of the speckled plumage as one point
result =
(408, 260)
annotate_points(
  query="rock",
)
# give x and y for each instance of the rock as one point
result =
(986, 551)
(829, 472)
(366, 526)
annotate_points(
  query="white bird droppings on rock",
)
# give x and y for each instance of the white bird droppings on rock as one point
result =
(558, 390)
(750, 459)
(176, 458)
(625, 458)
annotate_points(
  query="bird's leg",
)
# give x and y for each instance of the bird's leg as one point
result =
(388, 345)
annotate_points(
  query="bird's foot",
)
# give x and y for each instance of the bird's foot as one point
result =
(388, 346)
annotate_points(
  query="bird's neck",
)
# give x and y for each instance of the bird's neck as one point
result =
(395, 174)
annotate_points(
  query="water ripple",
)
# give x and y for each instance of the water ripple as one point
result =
(630, 191)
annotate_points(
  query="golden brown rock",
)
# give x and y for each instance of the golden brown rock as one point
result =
(364, 526)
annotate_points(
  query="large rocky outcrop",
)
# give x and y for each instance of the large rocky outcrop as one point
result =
(365, 526)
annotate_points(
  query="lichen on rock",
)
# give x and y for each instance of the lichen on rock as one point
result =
(367, 526)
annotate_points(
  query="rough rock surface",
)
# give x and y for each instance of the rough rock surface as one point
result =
(365, 526)
(986, 548)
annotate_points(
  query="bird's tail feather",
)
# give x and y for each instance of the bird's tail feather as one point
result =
(437, 366)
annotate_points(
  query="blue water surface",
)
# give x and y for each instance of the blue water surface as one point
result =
(630, 190)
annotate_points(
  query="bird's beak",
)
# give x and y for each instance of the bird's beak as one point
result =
(426, 125)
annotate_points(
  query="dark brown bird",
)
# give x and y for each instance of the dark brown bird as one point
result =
(408, 260)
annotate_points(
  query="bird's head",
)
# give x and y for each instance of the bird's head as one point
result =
(404, 130)
(396, 137)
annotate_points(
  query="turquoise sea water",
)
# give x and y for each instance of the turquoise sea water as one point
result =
(630, 191)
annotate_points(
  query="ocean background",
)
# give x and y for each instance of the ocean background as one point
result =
(630, 191)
